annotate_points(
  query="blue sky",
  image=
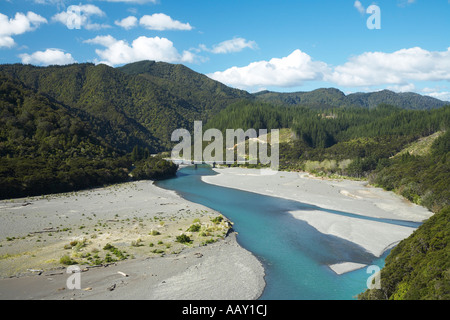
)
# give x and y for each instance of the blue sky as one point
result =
(288, 45)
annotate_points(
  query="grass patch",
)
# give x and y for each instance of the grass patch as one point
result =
(119, 254)
(67, 261)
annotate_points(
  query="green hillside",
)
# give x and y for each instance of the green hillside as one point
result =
(45, 147)
(143, 102)
(197, 90)
(418, 268)
(71, 127)
(99, 93)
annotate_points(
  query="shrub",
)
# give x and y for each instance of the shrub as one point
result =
(217, 220)
(108, 246)
(182, 238)
(194, 228)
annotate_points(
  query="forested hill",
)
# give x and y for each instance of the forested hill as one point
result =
(334, 98)
(143, 102)
(46, 147)
(65, 128)
(208, 95)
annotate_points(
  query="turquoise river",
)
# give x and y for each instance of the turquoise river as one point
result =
(295, 256)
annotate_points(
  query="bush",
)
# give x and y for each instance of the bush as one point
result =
(194, 228)
(183, 238)
(108, 246)
(217, 220)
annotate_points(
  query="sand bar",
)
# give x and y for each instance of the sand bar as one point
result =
(141, 221)
(355, 197)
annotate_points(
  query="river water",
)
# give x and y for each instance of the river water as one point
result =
(295, 256)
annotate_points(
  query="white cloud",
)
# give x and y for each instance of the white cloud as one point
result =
(20, 24)
(161, 21)
(437, 92)
(289, 71)
(58, 3)
(127, 23)
(78, 16)
(233, 45)
(143, 48)
(47, 57)
(400, 71)
(397, 68)
(358, 5)
(6, 41)
(442, 95)
(409, 87)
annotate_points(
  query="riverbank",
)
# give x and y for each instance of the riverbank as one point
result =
(129, 232)
(355, 197)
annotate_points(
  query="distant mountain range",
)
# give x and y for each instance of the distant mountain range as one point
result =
(334, 98)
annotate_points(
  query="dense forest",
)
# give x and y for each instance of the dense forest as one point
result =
(66, 128)
(48, 147)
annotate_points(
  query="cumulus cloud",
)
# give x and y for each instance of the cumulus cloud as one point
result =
(78, 16)
(48, 57)
(161, 21)
(443, 95)
(397, 68)
(127, 23)
(402, 88)
(118, 52)
(398, 71)
(437, 92)
(20, 24)
(233, 45)
(288, 71)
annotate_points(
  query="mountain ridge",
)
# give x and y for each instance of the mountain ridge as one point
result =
(333, 97)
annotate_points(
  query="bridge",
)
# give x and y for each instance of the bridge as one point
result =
(195, 163)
